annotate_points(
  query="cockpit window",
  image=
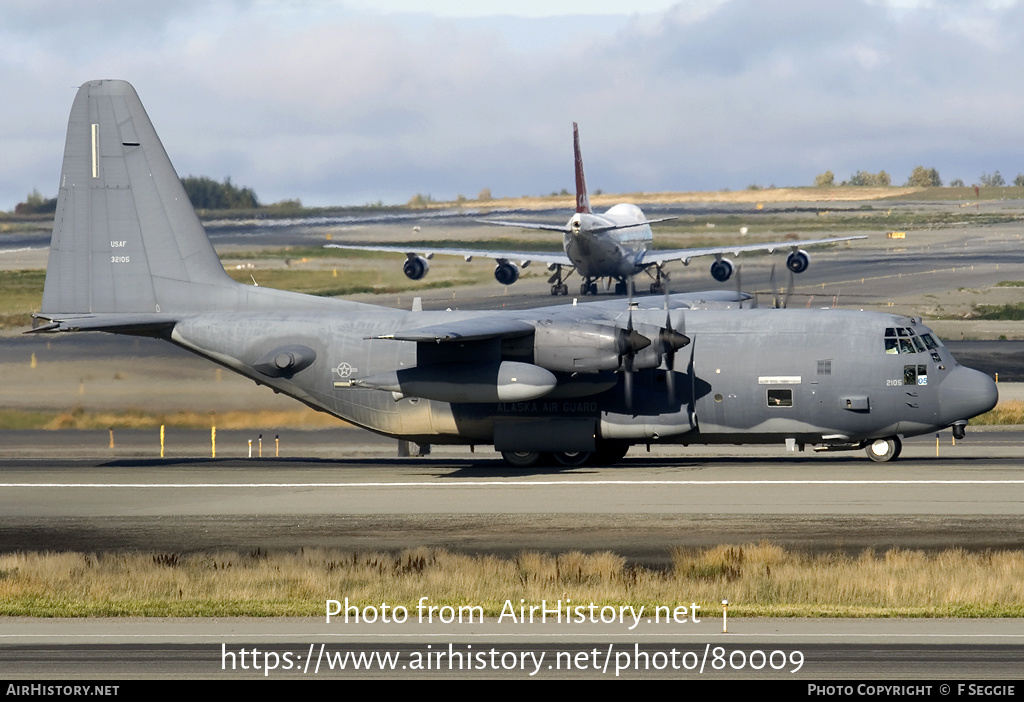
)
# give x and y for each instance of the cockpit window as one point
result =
(899, 340)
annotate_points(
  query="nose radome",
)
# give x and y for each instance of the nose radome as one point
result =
(966, 393)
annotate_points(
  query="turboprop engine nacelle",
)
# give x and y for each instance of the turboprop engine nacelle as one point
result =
(580, 347)
(415, 267)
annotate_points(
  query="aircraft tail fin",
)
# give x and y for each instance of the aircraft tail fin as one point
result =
(125, 236)
(582, 199)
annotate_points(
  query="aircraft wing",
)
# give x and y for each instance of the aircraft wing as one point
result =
(564, 228)
(655, 256)
(567, 230)
(474, 329)
(411, 251)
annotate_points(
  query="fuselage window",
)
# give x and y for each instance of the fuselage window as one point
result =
(780, 398)
(910, 375)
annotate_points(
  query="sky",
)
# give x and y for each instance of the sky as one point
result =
(364, 101)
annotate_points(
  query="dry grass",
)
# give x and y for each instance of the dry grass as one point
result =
(1008, 412)
(137, 419)
(839, 194)
(758, 580)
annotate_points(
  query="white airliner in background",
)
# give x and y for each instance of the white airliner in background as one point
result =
(615, 246)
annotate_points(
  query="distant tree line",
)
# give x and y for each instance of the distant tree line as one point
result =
(208, 194)
(920, 177)
(36, 204)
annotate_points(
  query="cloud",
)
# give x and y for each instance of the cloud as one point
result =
(332, 104)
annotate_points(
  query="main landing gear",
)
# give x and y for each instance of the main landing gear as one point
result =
(558, 287)
(884, 450)
(660, 281)
(608, 453)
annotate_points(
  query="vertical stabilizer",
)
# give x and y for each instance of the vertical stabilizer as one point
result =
(582, 199)
(125, 236)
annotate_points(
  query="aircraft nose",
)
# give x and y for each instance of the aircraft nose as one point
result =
(966, 393)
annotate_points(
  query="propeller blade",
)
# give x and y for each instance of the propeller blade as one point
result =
(789, 290)
(671, 341)
(775, 290)
(636, 341)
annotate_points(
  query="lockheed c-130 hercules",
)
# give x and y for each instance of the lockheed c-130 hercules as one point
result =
(614, 246)
(576, 382)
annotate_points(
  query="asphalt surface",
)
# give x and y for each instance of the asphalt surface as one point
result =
(970, 497)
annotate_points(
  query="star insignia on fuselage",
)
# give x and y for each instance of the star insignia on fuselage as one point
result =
(344, 370)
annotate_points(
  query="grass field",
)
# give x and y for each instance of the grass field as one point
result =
(757, 579)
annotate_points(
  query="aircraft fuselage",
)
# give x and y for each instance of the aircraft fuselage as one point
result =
(614, 253)
(748, 376)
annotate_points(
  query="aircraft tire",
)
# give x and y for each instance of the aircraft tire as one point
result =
(521, 459)
(571, 459)
(609, 453)
(884, 450)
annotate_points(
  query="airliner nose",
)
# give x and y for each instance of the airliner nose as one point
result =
(966, 393)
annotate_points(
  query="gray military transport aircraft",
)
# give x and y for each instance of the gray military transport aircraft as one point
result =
(573, 382)
(615, 245)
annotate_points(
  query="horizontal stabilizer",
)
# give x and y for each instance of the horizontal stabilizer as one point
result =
(121, 323)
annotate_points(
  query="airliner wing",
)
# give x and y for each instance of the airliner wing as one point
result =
(568, 230)
(564, 228)
(548, 257)
(657, 256)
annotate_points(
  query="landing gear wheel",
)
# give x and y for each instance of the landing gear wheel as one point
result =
(521, 459)
(620, 288)
(584, 288)
(563, 289)
(883, 450)
(657, 289)
(571, 459)
(609, 453)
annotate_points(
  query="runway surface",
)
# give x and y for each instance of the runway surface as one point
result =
(971, 496)
(876, 650)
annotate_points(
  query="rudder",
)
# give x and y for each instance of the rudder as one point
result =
(125, 236)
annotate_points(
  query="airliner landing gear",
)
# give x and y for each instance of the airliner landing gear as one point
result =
(558, 287)
(588, 287)
(660, 281)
